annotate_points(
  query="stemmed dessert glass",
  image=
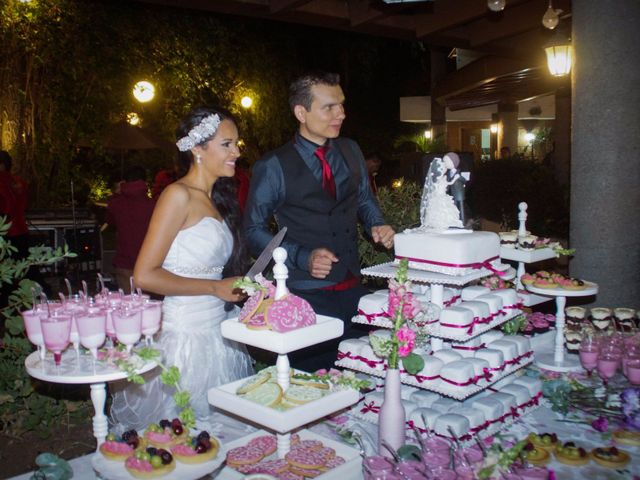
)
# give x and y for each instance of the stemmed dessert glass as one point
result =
(92, 328)
(589, 351)
(607, 364)
(151, 317)
(128, 325)
(56, 330)
(32, 325)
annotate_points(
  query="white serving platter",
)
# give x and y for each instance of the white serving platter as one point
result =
(225, 398)
(326, 328)
(591, 289)
(388, 270)
(351, 469)
(527, 256)
(115, 469)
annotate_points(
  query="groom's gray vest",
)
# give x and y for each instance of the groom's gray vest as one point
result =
(314, 219)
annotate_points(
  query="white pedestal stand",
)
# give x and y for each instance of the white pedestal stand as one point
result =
(558, 361)
(82, 370)
(282, 423)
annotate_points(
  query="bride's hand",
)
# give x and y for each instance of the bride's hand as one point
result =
(224, 290)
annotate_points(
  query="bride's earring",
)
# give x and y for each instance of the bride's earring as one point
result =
(198, 159)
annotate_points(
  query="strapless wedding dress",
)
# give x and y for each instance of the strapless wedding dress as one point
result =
(190, 335)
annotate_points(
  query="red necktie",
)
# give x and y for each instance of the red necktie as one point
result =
(328, 183)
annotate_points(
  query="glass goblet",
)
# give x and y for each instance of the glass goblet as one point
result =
(630, 353)
(92, 329)
(633, 372)
(128, 325)
(589, 352)
(56, 331)
(151, 317)
(31, 320)
(607, 366)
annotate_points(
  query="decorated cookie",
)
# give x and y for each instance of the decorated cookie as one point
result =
(290, 313)
(305, 459)
(299, 394)
(251, 306)
(266, 443)
(267, 394)
(610, 457)
(243, 456)
(253, 382)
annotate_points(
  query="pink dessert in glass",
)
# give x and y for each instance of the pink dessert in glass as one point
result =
(92, 328)
(633, 371)
(56, 331)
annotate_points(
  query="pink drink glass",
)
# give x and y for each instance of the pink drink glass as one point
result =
(151, 317)
(633, 372)
(589, 357)
(631, 353)
(56, 331)
(92, 328)
(31, 320)
(74, 308)
(607, 366)
(128, 326)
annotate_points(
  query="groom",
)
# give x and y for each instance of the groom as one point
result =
(317, 186)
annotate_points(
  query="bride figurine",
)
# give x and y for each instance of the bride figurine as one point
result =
(438, 211)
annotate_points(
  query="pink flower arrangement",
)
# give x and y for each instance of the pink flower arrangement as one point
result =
(403, 307)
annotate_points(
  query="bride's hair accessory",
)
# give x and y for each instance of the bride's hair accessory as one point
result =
(198, 134)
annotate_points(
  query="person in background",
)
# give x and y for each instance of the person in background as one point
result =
(317, 186)
(505, 153)
(129, 211)
(14, 197)
(163, 178)
(373, 163)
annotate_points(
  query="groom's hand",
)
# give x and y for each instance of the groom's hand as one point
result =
(320, 262)
(383, 234)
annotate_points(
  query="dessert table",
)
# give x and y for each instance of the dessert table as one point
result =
(82, 369)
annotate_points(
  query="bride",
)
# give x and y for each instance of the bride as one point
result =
(193, 237)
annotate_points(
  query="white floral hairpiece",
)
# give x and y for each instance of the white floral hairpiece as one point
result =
(198, 134)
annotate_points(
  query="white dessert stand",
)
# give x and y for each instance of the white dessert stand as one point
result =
(82, 370)
(557, 361)
(524, 256)
(282, 423)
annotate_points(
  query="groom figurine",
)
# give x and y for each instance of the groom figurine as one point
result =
(317, 186)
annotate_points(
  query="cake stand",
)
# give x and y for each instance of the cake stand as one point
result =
(523, 257)
(558, 361)
(281, 422)
(82, 370)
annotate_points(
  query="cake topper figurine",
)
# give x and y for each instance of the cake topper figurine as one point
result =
(438, 211)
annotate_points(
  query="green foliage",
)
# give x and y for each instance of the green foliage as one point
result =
(23, 407)
(420, 143)
(401, 209)
(499, 186)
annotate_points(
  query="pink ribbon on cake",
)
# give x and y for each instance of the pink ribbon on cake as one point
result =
(453, 300)
(468, 326)
(370, 407)
(480, 427)
(518, 306)
(370, 363)
(486, 374)
(476, 265)
(462, 347)
(422, 378)
(411, 426)
(372, 316)
(457, 384)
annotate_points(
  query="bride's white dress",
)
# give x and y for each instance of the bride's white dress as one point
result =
(190, 336)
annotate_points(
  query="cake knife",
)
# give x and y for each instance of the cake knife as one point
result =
(265, 257)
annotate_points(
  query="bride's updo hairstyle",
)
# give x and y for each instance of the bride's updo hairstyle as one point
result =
(224, 195)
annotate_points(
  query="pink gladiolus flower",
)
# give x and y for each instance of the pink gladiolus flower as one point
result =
(406, 338)
(321, 371)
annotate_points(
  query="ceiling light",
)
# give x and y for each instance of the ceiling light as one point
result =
(551, 17)
(559, 54)
(496, 5)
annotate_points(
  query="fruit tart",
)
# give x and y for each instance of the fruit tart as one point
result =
(120, 448)
(570, 454)
(627, 437)
(150, 463)
(610, 457)
(165, 434)
(572, 284)
(201, 449)
(536, 455)
(546, 441)
(545, 282)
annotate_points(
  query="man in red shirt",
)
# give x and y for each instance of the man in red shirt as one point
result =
(129, 212)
